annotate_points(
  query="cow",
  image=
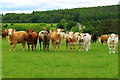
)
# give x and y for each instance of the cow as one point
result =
(93, 38)
(31, 39)
(71, 40)
(4, 34)
(104, 39)
(84, 40)
(56, 38)
(15, 37)
(44, 37)
(112, 42)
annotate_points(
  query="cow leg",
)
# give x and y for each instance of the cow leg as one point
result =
(109, 48)
(32, 47)
(28, 47)
(66, 46)
(59, 47)
(35, 47)
(48, 47)
(54, 46)
(79, 48)
(10, 47)
(87, 47)
(23, 45)
(74, 45)
(14, 46)
(44, 47)
(82, 48)
(40, 46)
(113, 50)
(70, 47)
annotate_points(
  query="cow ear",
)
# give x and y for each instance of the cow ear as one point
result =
(55, 30)
(26, 30)
(6, 30)
(33, 30)
(42, 32)
(84, 34)
(67, 32)
(62, 29)
(109, 35)
(116, 35)
(14, 29)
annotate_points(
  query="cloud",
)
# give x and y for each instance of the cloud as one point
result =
(42, 5)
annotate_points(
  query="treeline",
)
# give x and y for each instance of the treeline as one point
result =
(94, 20)
(81, 15)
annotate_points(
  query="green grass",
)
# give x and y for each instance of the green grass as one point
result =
(96, 63)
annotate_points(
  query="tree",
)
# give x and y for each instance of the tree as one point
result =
(62, 24)
(71, 24)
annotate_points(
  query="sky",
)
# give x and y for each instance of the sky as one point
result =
(28, 6)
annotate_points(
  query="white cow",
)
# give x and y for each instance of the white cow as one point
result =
(112, 42)
(84, 40)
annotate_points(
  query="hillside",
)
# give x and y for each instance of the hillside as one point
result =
(54, 16)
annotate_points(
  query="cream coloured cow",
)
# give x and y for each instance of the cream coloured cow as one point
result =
(112, 42)
(84, 40)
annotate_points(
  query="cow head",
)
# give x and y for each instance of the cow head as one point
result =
(81, 36)
(30, 31)
(71, 34)
(10, 31)
(59, 31)
(45, 34)
(113, 36)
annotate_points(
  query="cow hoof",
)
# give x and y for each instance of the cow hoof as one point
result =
(109, 51)
(113, 51)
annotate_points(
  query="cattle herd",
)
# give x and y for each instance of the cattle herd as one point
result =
(45, 37)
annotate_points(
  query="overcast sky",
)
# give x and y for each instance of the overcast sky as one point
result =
(27, 6)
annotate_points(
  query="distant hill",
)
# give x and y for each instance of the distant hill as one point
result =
(81, 15)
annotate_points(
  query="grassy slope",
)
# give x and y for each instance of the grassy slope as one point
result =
(96, 63)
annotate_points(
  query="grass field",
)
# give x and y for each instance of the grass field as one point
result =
(97, 63)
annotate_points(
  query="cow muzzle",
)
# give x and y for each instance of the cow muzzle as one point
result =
(113, 40)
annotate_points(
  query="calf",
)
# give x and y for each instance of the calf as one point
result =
(31, 39)
(71, 40)
(84, 41)
(56, 38)
(15, 37)
(112, 42)
(44, 37)
(4, 34)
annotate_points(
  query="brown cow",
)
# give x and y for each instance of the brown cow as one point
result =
(31, 39)
(103, 39)
(56, 38)
(4, 34)
(71, 40)
(15, 37)
(44, 37)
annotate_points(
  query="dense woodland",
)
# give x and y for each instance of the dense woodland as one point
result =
(95, 20)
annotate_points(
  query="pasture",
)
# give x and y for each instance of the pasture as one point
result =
(96, 63)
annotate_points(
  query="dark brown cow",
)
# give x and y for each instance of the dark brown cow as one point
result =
(31, 39)
(4, 34)
(44, 38)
